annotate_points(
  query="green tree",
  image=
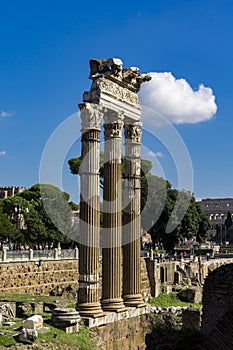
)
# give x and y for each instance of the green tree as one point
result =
(50, 217)
(7, 228)
(46, 213)
(163, 207)
(204, 224)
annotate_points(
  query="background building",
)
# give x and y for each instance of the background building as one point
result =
(10, 191)
(217, 209)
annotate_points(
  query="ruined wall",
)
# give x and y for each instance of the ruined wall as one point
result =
(128, 333)
(145, 279)
(217, 319)
(161, 276)
(28, 277)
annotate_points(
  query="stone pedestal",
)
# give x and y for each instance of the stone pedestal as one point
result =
(66, 319)
(132, 222)
(88, 292)
(112, 217)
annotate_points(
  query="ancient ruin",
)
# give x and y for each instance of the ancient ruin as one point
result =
(217, 320)
(113, 96)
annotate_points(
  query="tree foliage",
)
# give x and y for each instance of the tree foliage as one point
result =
(7, 228)
(46, 215)
(158, 207)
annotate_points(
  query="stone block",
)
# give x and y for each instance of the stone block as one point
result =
(166, 288)
(191, 319)
(26, 336)
(7, 312)
(33, 322)
(191, 295)
(43, 330)
(39, 307)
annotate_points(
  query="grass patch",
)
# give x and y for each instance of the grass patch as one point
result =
(72, 305)
(170, 299)
(29, 297)
(7, 332)
(82, 339)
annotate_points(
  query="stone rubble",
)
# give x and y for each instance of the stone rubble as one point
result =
(26, 336)
(6, 313)
(33, 322)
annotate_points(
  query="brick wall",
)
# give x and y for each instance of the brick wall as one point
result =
(28, 277)
(36, 278)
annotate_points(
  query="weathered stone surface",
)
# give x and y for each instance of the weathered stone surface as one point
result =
(191, 319)
(112, 216)
(26, 336)
(6, 312)
(33, 322)
(66, 319)
(25, 271)
(113, 67)
(128, 333)
(65, 315)
(132, 218)
(25, 308)
(43, 330)
(29, 278)
(191, 295)
(89, 238)
(65, 273)
(217, 320)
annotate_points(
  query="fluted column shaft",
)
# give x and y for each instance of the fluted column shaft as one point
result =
(88, 293)
(112, 218)
(132, 222)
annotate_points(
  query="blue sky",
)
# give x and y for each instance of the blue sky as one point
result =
(44, 67)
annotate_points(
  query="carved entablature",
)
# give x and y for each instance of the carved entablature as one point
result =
(132, 77)
(118, 92)
(112, 67)
(133, 132)
(107, 66)
(91, 115)
(113, 130)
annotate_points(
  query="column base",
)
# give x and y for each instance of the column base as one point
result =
(115, 305)
(89, 309)
(134, 300)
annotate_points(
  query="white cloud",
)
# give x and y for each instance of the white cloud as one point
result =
(2, 153)
(155, 154)
(5, 114)
(175, 100)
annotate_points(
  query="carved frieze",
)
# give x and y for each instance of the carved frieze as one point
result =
(91, 115)
(118, 92)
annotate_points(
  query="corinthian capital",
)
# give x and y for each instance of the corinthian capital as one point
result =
(113, 123)
(113, 130)
(133, 131)
(90, 114)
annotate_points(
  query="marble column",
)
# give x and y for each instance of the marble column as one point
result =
(112, 217)
(89, 239)
(132, 222)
